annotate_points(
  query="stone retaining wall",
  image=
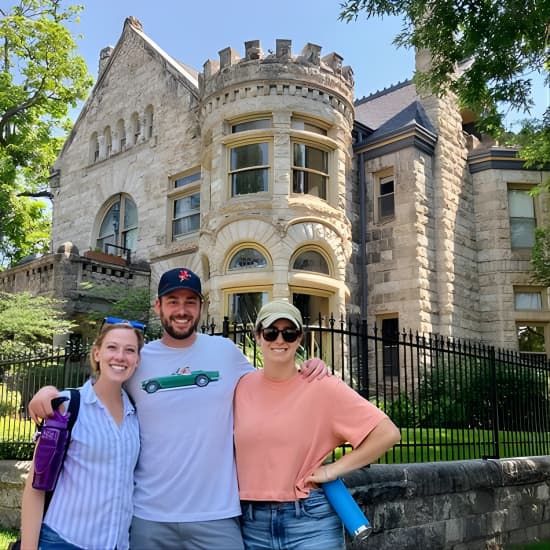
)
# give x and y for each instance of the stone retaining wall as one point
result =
(462, 505)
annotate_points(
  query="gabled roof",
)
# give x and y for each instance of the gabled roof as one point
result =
(376, 109)
(413, 113)
(395, 118)
(184, 73)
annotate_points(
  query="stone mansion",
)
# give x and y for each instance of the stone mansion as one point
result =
(265, 176)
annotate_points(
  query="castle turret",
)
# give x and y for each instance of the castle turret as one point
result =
(276, 156)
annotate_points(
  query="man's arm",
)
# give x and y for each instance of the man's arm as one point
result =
(40, 406)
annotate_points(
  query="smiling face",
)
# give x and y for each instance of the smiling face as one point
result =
(116, 355)
(179, 313)
(279, 353)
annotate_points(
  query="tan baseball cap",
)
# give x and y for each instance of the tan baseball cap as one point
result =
(278, 309)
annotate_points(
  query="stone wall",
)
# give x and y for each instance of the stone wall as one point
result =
(462, 505)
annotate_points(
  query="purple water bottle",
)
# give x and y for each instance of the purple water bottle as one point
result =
(353, 518)
(51, 448)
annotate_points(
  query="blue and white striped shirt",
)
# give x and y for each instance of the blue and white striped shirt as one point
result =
(92, 506)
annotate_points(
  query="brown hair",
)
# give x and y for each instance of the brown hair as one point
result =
(105, 329)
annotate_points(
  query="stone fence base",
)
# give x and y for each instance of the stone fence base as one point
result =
(461, 505)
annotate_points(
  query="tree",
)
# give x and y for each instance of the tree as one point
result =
(41, 78)
(498, 44)
(25, 225)
(27, 321)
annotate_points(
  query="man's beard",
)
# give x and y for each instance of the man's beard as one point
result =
(178, 335)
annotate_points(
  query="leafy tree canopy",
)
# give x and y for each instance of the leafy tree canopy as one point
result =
(499, 44)
(27, 320)
(25, 227)
(41, 78)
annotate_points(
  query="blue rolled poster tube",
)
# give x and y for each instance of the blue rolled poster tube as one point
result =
(353, 518)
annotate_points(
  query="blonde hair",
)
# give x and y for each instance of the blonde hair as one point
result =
(105, 329)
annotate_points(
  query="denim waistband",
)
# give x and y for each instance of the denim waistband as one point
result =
(280, 505)
(248, 506)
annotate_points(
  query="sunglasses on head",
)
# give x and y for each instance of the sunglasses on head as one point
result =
(118, 321)
(289, 335)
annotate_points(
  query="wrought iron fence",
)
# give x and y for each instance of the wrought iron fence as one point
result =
(452, 399)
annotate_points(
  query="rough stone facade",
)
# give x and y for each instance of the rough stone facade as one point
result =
(389, 207)
(462, 505)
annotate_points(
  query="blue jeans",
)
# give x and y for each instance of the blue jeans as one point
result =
(307, 524)
(50, 540)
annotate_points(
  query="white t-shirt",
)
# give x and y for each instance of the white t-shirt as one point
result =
(186, 469)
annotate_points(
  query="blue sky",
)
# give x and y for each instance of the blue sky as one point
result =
(193, 32)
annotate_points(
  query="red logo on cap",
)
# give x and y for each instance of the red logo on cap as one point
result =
(184, 275)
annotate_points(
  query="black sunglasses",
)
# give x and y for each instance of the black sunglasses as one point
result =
(289, 335)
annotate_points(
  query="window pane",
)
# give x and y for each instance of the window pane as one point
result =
(386, 187)
(311, 261)
(244, 307)
(186, 205)
(298, 124)
(386, 206)
(188, 224)
(186, 214)
(250, 181)
(307, 182)
(130, 214)
(522, 232)
(180, 182)
(251, 125)
(520, 204)
(528, 300)
(255, 154)
(110, 222)
(107, 239)
(299, 154)
(129, 239)
(316, 159)
(531, 338)
(247, 258)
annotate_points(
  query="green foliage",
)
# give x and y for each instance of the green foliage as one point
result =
(27, 320)
(41, 78)
(132, 303)
(463, 396)
(497, 45)
(540, 256)
(25, 227)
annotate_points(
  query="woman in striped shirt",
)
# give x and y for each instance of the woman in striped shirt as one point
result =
(91, 506)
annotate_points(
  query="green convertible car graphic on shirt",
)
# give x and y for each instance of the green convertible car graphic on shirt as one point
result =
(199, 378)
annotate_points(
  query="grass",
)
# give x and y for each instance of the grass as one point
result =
(542, 545)
(440, 444)
(7, 536)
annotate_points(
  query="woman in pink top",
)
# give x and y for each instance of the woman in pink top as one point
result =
(284, 429)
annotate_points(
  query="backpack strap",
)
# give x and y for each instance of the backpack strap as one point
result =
(72, 411)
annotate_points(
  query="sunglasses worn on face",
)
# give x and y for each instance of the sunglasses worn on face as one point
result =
(289, 335)
(118, 321)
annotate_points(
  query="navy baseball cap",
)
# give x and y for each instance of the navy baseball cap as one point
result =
(178, 279)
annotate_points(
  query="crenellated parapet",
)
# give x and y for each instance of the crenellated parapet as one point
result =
(279, 73)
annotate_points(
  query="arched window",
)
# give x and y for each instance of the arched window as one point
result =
(149, 122)
(121, 133)
(136, 128)
(108, 141)
(247, 258)
(118, 229)
(94, 148)
(310, 260)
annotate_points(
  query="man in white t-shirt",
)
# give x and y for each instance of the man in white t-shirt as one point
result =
(186, 493)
